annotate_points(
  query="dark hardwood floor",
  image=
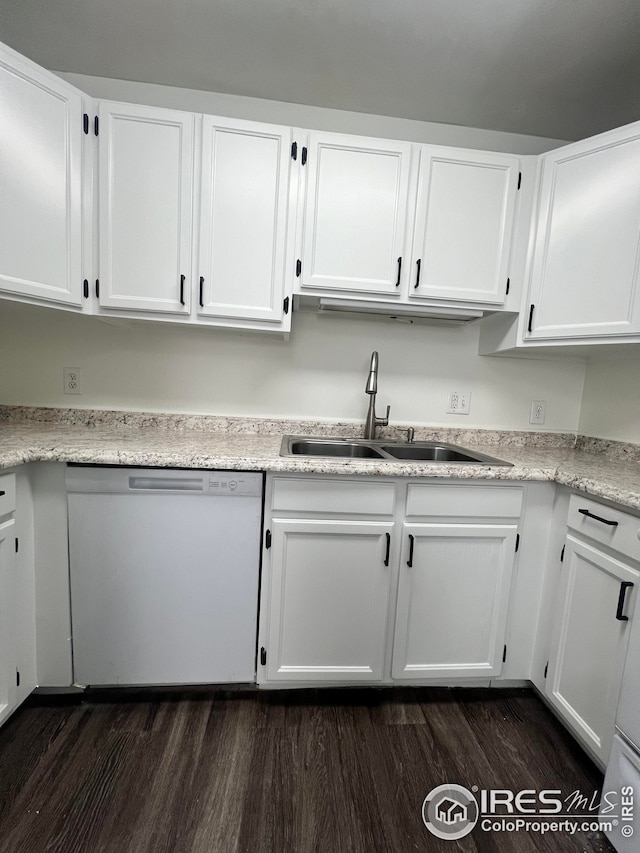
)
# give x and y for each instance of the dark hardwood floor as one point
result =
(287, 772)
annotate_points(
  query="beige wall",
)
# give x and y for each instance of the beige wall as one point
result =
(611, 399)
(319, 373)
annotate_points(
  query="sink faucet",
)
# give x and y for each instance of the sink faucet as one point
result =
(371, 389)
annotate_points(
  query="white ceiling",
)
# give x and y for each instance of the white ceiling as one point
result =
(557, 68)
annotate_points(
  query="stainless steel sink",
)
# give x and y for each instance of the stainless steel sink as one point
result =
(418, 451)
(320, 447)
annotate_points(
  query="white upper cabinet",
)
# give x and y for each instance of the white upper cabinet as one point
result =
(145, 208)
(463, 227)
(41, 130)
(585, 269)
(243, 220)
(355, 215)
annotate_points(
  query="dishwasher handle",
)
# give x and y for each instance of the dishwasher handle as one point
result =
(166, 484)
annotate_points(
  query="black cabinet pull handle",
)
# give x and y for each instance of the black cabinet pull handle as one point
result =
(418, 264)
(303, 158)
(2, 494)
(97, 288)
(598, 517)
(386, 558)
(182, 290)
(399, 271)
(530, 326)
(410, 560)
(85, 288)
(201, 291)
(624, 586)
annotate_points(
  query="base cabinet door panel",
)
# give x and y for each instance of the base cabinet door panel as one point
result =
(40, 181)
(329, 600)
(453, 598)
(464, 222)
(243, 220)
(7, 620)
(145, 208)
(590, 641)
(586, 263)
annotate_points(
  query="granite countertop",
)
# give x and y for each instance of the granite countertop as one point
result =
(609, 470)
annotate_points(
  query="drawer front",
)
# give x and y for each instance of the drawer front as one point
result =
(333, 497)
(464, 501)
(612, 527)
(7, 494)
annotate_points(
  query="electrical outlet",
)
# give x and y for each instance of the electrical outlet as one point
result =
(72, 380)
(538, 411)
(458, 402)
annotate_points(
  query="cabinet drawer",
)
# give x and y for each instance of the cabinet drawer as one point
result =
(464, 500)
(611, 527)
(333, 497)
(7, 494)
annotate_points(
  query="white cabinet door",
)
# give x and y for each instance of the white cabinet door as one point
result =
(355, 214)
(243, 219)
(7, 620)
(586, 261)
(464, 222)
(453, 598)
(328, 600)
(145, 208)
(40, 183)
(590, 640)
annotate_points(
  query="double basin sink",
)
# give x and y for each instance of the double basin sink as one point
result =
(389, 451)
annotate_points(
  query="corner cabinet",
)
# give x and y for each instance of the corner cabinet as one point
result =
(355, 214)
(41, 184)
(593, 618)
(355, 588)
(586, 253)
(7, 617)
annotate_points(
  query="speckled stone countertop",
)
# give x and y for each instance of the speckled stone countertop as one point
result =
(609, 470)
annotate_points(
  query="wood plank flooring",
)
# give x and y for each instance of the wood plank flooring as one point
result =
(288, 772)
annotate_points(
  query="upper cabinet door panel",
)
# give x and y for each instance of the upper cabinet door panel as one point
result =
(584, 278)
(464, 222)
(145, 185)
(355, 214)
(40, 183)
(243, 223)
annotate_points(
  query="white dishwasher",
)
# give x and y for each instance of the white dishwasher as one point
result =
(164, 570)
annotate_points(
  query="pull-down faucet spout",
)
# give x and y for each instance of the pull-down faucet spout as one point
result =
(371, 388)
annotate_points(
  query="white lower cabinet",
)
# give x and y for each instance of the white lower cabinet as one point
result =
(453, 598)
(353, 592)
(329, 599)
(591, 633)
(7, 619)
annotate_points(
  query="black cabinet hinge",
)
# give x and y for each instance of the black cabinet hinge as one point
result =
(562, 554)
(519, 179)
(85, 123)
(96, 125)
(17, 678)
(17, 545)
(85, 288)
(504, 654)
(508, 285)
(267, 539)
(294, 150)
(517, 541)
(546, 669)
(303, 158)
(298, 268)
(98, 288)
(285, 305)
(263, 656)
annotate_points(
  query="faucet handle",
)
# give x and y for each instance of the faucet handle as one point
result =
(384, 421)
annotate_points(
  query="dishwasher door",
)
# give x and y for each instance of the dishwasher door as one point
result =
(164, 575)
